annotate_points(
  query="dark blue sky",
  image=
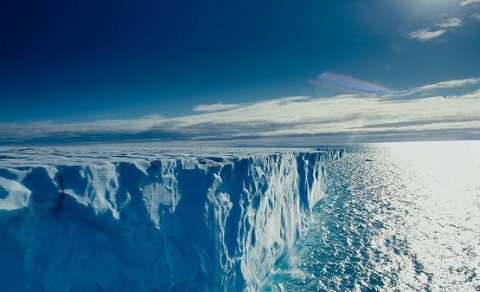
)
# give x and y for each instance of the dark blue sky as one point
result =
(80, 60)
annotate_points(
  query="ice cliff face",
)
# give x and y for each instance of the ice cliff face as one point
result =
(170, 223)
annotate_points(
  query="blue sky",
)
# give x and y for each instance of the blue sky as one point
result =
(189, 70)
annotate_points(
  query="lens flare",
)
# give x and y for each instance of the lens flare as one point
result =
(349, 84)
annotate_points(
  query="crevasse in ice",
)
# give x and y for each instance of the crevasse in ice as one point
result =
(172, 223)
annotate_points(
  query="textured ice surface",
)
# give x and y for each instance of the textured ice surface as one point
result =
(141, 217)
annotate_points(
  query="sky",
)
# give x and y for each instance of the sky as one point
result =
(328, 71)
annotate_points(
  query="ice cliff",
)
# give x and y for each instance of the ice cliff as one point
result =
(136, 219)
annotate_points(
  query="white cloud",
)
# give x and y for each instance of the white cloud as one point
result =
(440, 28)
(468, 2)
(347, 114)
(426, 34)
(450, 23)
(476, 16)
(214, 107)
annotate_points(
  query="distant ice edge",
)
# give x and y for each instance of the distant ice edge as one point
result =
(186, 224)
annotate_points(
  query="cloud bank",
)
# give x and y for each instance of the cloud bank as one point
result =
(339, 118)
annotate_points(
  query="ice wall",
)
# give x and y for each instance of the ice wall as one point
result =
(185, 223)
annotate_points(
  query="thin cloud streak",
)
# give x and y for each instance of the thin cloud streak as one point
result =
(425, 89)
(468, 2)
(449, 84)
(450, 22)
(215, 107)
(341, 116)
(426, 34)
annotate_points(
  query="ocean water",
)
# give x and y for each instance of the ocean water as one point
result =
(396, 217)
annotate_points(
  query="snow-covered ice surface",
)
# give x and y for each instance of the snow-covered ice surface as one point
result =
(143, 217)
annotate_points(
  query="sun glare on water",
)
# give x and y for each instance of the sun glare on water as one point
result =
(397, 216)
(443, 222)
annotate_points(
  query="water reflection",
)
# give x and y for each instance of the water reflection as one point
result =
(400, 216)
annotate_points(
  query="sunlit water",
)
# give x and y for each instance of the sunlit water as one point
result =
(397, 217)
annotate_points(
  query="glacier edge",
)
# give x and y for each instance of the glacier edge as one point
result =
(170, 224)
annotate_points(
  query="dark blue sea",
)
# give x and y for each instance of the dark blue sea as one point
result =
(396, 217)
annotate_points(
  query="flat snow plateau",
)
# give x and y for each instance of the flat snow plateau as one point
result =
(143, 217)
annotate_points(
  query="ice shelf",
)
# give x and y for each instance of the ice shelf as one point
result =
(142, 218)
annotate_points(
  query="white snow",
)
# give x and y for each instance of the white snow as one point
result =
(142, 217)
